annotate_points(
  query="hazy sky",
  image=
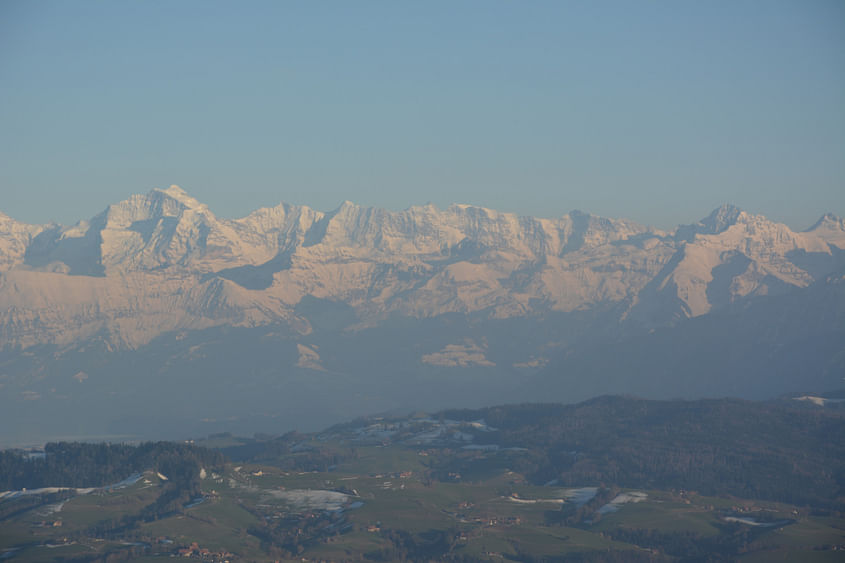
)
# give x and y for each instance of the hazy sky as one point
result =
(655, 111)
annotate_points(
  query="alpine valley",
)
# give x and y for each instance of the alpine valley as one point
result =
(157, 318)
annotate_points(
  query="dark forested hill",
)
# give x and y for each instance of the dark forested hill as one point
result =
(766, 450)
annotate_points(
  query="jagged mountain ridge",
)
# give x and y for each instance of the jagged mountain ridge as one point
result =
(163, 262)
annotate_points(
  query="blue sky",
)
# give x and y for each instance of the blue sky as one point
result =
(655, 111)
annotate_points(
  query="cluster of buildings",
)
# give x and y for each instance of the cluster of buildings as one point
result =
(194, 551)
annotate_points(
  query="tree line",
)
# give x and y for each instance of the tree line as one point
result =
(79, 465)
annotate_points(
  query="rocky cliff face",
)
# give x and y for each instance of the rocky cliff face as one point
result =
(164, 262)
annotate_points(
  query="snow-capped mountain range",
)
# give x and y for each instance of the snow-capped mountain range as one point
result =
(163, 262)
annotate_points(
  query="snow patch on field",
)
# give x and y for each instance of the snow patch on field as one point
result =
(53, 508)
(820, 401)
(131, 480)
(580, 496)
(620, 499)
(536, 500)
(754, 522)
(311, 499)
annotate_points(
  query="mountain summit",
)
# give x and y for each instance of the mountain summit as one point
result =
(721, 218)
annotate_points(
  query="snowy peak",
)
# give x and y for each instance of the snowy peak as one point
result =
(153, 206)
(828, 221)
(169, 202)
(732, 256)
(15, 238)
(721, 218)
(9, 224)
(180, 195)
(158, 229)
(277, 229)
(584, 230)
(831, 229)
